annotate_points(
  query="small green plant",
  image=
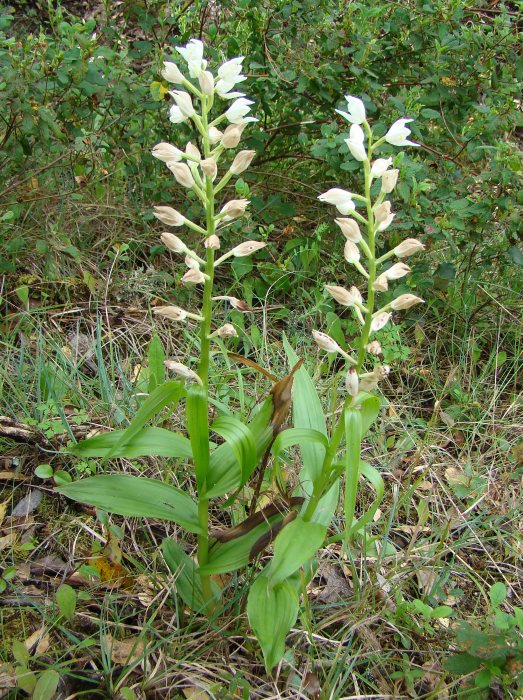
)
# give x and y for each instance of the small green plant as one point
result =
(492, 651)
(39, 685)
(226, 454)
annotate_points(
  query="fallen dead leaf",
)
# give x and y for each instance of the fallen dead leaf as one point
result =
(124, 651)
(27, 504)
(37, 640)
(8, 540)
(196, 694)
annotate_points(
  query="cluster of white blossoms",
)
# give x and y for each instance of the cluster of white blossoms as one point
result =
(360, 248)
(198, 171)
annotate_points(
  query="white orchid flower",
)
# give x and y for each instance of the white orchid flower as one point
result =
(398, 132)
(356, 142)
(356, 110)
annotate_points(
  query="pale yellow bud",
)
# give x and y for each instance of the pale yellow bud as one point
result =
(173, 313)
(350, 229)
(325, 342)
(380, 320)
(209, 167)
(379, 166)
(408, 247)
(192, 151)
(241, 162)
(232, 135)
(172, 73)
(381, 283)
(397, 271)
(212, 242)
(227, 331)
(386, 223)
(215, 135)
(405, 301)
(169, 216)
(389, 180)
(206, 81)
(347, 297)
(374, 348)
(352, 382)
(382, 212)
(233, 209)
(351, 252)
(247, 248)
(166, 152)
(182, 174)
(237, 304)
(173, 242)
(193, 277)
(182, 371)
(381, 371)
(183, 101)
(191, 263)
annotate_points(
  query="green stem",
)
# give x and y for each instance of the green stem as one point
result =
(203, 366)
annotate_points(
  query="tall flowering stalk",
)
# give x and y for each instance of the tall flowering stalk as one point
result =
(375, 217)
(198, 171)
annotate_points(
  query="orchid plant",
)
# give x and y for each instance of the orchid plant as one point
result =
(232, 453)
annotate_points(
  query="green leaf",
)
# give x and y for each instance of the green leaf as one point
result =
(66, 600)
(374, 477)
(295, 545)
(307, 412)
(225, 557)
(20, 652)
(136, 496)
(272, 611)
(25, 679)
(156, 366)
(167, 394)
(198, 427)
(515, 254)
(188, 583)
(157, 442)
(369, 406)
(44, 471)
(62, 477)
(46, 685)
(353, 433)
(241, 441)
(462, 664)
(497, 594)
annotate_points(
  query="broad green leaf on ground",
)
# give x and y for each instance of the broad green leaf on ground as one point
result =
(294, 546)
(272, 611)
(188, 583)
(136, 496)
(154, 442)
(46, 685)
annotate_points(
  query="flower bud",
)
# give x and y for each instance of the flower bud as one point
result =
(241, 162)
(389, 180)
(212, 242)
(192, 151)
(215, 135)
(172, 73)
(346, 297)
(325, 342)
(182, 371)
(173, 242)
(183, 102)
(227, 331)
(355, 142)
(169, 216)
(351, 252)
(341, 199)
(233, 209)
(237, 304)
(191, 263)
(405, 301)
(247, 248)
(350, 229)
(193, 277)
(182, 174)
(206, 81)
(173, 313)
(382, 212)
(209, 167)
(352, 382)
(386, 222)
(408, 247)
(381, 283)
(397, 271)
(381, 319)
(382, 371)
(166, 153)
(374, 348)
(232, 135)
(380, 166)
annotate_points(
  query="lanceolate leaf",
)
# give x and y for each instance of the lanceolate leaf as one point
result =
(272, 611)
(136, 496)
(157, 442)
(198, 426)
(295, 545)
(374, 477)
(156, 366)
(188, 582)
(369, 406)
(353, 430)
(241, 441)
